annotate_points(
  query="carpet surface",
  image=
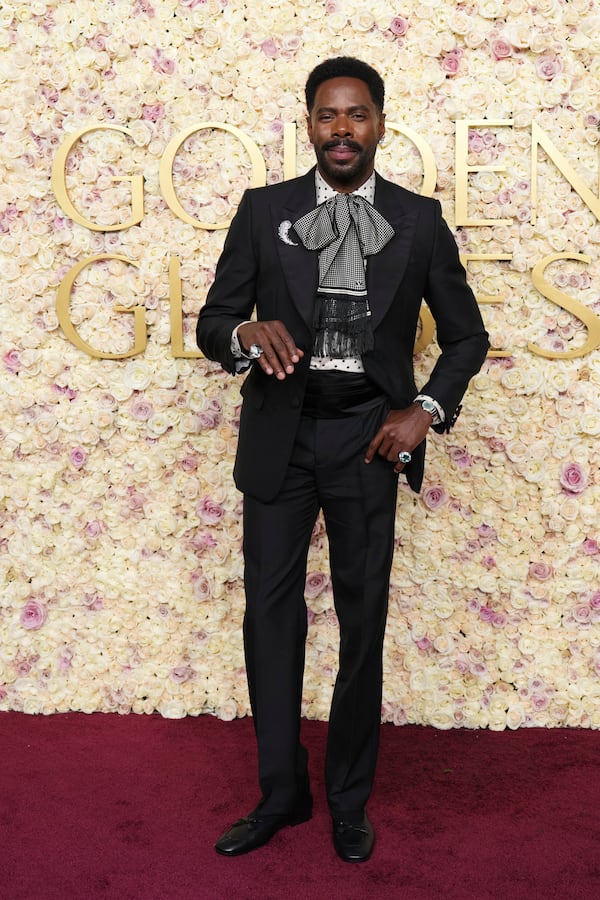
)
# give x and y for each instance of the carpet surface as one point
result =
(128, 808)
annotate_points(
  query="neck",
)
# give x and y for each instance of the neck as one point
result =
(345, 188)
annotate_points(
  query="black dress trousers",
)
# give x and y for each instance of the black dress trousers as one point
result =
(327, 471)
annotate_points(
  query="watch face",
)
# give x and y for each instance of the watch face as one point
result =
(428, 406)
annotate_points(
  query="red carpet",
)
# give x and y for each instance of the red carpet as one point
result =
(128, 808)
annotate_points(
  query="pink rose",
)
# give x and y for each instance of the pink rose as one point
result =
(548, 66)
(142, 7)
(141, 409)
(209, 511)
(582, 613)
(33, 615)
(161, 63)
(460, 457)
(434, 497)
(399, 716)
(539, 701)
(541, 571)
(93, 528)
(315, 584)
(65, 659)
(182, 674)
(12, 361)
(135, 500)
(78, 457)
(573, 478)
(203, 541)
(208, 419)
(399, 26)
(189, 463)
(93, 601)
(202, 586)
(487, 532)
(269, 48)
(590, 547)
(153, 112)
(451, 62)
(501, 48)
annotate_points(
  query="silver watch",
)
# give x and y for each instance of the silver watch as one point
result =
(429, 406)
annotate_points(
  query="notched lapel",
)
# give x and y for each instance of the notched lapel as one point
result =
(300, 266)
(386, 269)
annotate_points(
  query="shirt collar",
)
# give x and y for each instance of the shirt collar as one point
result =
(326, 192)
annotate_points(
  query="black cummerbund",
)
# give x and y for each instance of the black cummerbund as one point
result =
(331, 394)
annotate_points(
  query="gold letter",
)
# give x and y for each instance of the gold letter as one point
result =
(59, 185)
(462, 171)
(487, 298)
(176, 313)
(62, 308)
(259, 170)
(429, 166)
(427, 329)
(589, 319)
(539, 137)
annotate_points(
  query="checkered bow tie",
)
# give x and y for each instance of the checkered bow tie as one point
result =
(344, 230)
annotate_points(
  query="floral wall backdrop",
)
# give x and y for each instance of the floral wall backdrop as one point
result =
(120, 528)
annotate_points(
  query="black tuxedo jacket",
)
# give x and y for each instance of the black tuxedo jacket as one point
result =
(264, 268)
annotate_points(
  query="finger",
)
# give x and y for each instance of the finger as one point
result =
(279, 349)
(272, 363)
(373, 447)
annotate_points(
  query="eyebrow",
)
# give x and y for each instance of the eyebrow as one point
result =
(362, 107)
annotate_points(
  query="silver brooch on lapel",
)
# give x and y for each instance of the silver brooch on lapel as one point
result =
(284, 233)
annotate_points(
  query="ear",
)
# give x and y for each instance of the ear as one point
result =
(381, 125)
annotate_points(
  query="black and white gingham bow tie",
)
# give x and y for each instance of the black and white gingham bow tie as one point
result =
(345, 230)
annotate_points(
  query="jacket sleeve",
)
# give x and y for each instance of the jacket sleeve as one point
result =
(232, 295)
(461, 335)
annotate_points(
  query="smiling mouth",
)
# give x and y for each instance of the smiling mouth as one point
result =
(341, 150)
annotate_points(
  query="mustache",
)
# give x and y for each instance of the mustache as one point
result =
(342, 142)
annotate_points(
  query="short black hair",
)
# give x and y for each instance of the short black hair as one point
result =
(345, 67)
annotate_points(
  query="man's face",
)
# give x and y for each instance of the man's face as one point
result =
(344, 127)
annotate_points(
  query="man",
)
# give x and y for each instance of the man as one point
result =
(335, 264)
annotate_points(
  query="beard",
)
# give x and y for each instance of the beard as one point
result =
(344, 172)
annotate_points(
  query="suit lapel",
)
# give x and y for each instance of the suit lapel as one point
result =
(300, 266)
(386, 269)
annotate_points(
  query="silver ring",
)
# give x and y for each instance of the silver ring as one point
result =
(404, 456)
(255, 351)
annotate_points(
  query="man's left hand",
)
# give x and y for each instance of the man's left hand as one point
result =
(403, 430)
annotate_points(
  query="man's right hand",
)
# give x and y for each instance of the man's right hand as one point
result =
(280, 353)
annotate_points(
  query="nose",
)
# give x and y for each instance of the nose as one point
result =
(342, 126)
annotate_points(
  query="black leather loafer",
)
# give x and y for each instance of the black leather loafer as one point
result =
(253, 831)
(353, 841)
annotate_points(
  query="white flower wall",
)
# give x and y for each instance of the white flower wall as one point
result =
(120, 529)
